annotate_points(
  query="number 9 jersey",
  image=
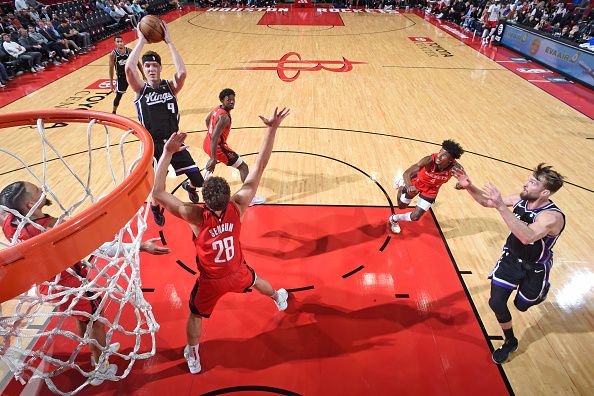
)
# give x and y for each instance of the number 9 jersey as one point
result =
(157, 110)
(218, 250)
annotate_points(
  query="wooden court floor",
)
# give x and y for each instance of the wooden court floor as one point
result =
(393, 103)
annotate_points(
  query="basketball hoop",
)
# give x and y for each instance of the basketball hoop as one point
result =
(85, 223)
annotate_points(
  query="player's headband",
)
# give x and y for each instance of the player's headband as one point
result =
(151, 58)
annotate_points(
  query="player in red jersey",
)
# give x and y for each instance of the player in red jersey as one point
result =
(424, 179)
(218, 123)
(21, 197)
(217, 228)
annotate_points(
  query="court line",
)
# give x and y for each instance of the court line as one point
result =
(248, 388)
(319, 128)
(299, 34)
(471, 301)
(443, 68)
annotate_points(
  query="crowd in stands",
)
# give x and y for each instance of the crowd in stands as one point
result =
(571, 22)
(35, 36)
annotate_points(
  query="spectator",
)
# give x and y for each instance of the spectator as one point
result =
(33, 59)
(53, 52)
(3, 76)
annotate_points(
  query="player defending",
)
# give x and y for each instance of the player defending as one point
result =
(527, 258)
(218, 123)
(217, 228)
(424, 179)
(158, 111)
(117, 62)
(21, 197)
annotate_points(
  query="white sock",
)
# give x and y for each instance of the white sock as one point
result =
(194, 350)
(401, 217)
(274, 296)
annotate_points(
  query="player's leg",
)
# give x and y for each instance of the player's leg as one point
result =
(534, 287)
(243, 171)
(156, 209)
(249, 279)
(203, 298)
(183, 163)
(423, 205)
(505, 278)
(121, 87)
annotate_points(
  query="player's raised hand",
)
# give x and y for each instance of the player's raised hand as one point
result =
(151, 247)
(492, 196)
(463, 180)
(166, 35)
(176, 143)
(141, 37)
(276, 118)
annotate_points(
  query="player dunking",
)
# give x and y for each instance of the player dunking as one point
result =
(424, 179)
(535, 224)
(117, 63)
(217, 228)
(158, 110)
(218, 123)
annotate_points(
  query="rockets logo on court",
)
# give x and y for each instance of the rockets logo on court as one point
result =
(290, 65)
(101, 84)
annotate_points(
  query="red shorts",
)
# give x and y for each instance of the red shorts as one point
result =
(207, 292)
(490, 24)
(87, 303)
(224, 153)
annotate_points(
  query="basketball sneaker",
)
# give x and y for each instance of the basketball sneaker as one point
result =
(257, 201)
(112, 348)
(192, 193)
(193, 362)
(108, 370)
(394, 226)
(158, 215)
(281, 299)
(501, 354)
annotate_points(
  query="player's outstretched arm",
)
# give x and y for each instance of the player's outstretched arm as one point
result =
(186, 211)
(246, 193)
(134, 80)
(546, 223)
(413, 170)
(179, 77)
(479, 195)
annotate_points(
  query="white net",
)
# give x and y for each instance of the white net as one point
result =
(49, 333)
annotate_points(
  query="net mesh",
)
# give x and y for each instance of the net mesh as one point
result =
(47, 334)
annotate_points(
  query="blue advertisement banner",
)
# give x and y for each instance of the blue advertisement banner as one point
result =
(573, 62)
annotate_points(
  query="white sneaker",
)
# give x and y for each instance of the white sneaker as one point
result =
(112, 348)
(101, 375)
(394, 226)
(281, 302)
(193, 363)
(258, 201)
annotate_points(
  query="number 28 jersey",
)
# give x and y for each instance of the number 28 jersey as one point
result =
(218, 250)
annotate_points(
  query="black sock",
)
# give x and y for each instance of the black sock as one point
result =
(155, 207)
(509, 334)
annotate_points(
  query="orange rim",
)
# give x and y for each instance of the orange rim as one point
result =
(40, 258)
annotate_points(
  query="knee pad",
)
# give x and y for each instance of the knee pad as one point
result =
(500, 309)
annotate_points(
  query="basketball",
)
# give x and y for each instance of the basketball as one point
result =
(152, 28)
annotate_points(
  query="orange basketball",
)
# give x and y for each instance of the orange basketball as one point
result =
(152, 29)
